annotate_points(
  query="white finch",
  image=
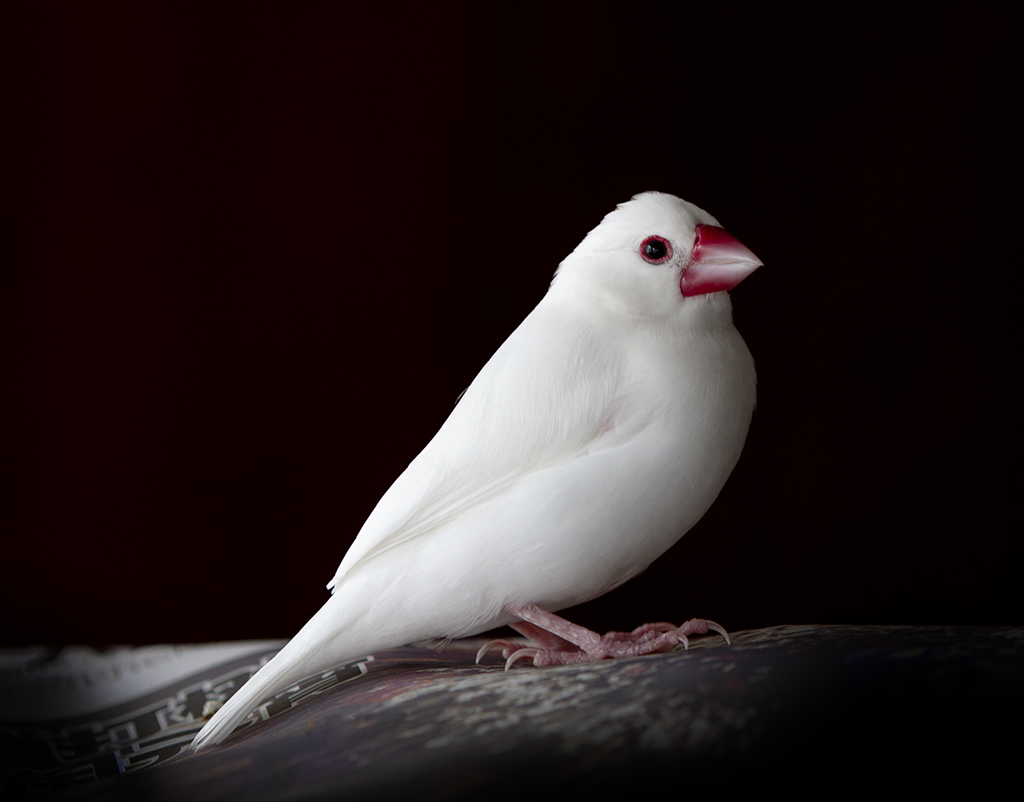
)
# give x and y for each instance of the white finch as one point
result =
(594, 438)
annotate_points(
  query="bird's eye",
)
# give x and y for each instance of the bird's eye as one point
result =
(656, 250)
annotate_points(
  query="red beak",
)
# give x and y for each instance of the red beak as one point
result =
(719, 262)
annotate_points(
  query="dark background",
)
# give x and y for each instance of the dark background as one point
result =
(259, 249)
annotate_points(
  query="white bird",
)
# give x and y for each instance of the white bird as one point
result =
(594, 438)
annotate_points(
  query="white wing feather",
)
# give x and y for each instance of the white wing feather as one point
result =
(493, 436)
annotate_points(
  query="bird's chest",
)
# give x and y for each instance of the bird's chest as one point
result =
(652, 390)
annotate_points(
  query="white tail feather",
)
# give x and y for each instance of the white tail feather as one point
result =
(270, 679)
(312, 650)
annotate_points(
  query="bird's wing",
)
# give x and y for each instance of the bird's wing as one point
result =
(548, 395)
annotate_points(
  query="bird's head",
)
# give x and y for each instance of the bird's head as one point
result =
(655, 252)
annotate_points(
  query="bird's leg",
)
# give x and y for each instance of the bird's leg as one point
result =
(562, 642)
(542, 637)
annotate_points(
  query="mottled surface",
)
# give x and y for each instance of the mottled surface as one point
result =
(815, 710)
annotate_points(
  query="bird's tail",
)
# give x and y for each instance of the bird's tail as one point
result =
(282, 670)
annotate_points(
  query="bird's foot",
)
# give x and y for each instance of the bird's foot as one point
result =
(560, 642)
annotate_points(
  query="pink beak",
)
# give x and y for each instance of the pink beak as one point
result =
(719, 262)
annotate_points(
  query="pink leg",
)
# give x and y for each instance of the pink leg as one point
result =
(563, 642)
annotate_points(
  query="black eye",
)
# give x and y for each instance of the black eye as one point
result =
(656, 250)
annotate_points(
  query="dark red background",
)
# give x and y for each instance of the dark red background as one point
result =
(257, 251)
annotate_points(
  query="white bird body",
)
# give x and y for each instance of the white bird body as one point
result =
(594, 438)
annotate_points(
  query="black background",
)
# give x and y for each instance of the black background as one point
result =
(259, 249)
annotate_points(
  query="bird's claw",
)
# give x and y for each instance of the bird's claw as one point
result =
(701, 626)
(646, 639)
(711, 625)
(512, 652)
(522, 653)
(564, 643)
(506, 647)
